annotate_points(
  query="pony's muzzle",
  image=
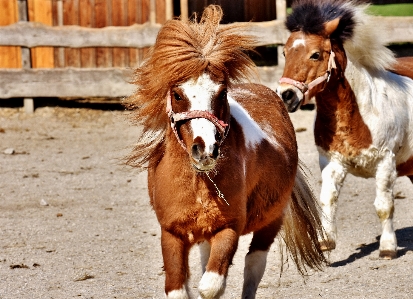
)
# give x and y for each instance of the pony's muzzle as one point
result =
(291, 96)
(204, 159)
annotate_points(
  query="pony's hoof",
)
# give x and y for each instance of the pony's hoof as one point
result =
(388, 254)
(327, 245)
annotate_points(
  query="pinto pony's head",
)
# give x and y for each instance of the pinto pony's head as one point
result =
(324, 33)
(182, 85)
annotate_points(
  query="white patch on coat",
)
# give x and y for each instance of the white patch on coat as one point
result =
(255, 263)
(212, 285)
(199, 93)
(385, 102)
(253, 134)
(178, 294)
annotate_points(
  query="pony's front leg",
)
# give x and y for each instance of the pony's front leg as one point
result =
(205, 252)
(223, 247)
(384, 203)
(175, 258)
(333, 175)
(256, 259)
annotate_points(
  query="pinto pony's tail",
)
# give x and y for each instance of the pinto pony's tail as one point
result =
(302, 226)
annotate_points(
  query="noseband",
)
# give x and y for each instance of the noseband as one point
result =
(174, 118)
(305, 88)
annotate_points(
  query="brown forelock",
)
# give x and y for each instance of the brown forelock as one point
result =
(184, 50)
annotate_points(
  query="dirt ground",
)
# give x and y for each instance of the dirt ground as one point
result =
(75, 223)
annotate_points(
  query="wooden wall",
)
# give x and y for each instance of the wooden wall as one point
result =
(10, 57)
(85, 13)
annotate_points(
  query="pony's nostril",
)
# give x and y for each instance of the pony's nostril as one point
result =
(287, 95)
(197, 150)
(215, 152)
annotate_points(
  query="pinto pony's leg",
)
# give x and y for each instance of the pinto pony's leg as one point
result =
(333, 176)
(256, 259)
(175, 258)
(223, 247)
(384, 203)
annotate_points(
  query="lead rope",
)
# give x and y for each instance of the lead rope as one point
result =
(220, 195)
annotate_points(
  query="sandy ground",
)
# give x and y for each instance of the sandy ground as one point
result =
(75, 223)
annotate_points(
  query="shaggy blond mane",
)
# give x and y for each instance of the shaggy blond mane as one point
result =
(184, 50)
(366, 47)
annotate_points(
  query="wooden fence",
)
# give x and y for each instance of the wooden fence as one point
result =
(97, 62)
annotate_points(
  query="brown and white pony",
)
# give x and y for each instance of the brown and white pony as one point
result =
(222, 157)
(364, 100)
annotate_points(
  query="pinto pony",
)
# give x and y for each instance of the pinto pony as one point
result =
(221, 157)
(364, 100)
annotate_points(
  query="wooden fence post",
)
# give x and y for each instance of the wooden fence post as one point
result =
(28, 103)
(281, 9)
(169, 10)
(184, 10)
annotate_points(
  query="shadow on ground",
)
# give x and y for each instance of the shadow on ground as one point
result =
(404, 240)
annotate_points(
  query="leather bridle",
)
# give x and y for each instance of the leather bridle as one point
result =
(305, 88)
(174, 118)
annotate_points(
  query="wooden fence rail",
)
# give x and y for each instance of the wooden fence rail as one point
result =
(113, 82)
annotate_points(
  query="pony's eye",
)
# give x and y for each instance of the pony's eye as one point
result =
(284, 53)
(315, 56)
(177, 97)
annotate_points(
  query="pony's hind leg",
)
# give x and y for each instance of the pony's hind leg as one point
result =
(384, 203)
(175, 257)
(223, 247)
(256, 259)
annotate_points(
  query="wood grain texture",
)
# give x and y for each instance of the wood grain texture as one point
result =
(10, 57)
(41, 11)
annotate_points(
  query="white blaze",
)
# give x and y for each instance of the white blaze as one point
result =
(199, 93)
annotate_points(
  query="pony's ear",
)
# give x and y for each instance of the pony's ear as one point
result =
(331, 26)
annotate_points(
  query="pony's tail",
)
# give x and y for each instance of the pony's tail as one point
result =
(302, 226)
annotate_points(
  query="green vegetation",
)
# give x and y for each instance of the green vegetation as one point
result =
(399, 10)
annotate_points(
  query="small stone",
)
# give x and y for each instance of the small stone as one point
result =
(9, 151)
(43, 202)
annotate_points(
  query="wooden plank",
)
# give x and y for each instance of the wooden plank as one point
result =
(281, 10)
(400, 29)
(71, 17)
(184, 9)
(75, 83)
(41, 11)
(160, 11)
(10, 57)
(103, 55)
(24, 17)
(133, 18)
(35, 34)
(120, 18)
(87, 19)
(67, 82)
(169, 9)
(145, 17)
